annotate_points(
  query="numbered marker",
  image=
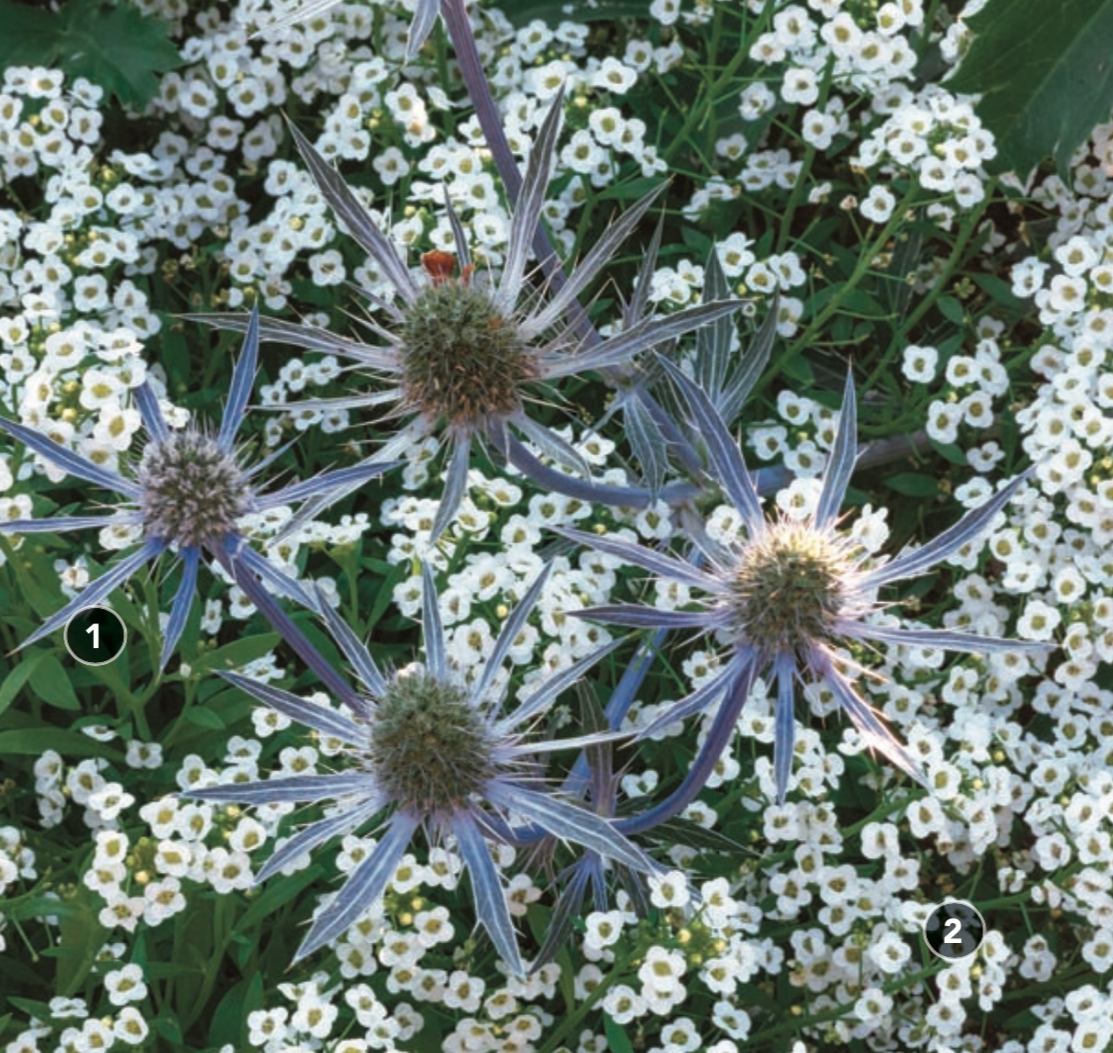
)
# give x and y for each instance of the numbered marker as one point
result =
(954, 930)
(96, 635)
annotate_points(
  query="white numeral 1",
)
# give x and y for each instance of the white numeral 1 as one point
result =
(95, 630)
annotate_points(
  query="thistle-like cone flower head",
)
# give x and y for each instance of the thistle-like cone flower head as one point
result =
(465, 354)
(193, 492)
(189, 493)
(431, 749)
(787, 594)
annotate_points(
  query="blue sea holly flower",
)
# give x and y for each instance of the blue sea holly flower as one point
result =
(431, 749)
(464, 354)
(786, 594)
(189, 493)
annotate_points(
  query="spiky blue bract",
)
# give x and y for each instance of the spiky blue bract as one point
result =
(785, 594)
(430, 749)
(188, 494)
(464, 356)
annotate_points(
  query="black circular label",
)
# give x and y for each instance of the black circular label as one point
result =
(954, 930)
(96, 635)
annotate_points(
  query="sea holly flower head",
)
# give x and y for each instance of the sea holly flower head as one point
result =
(190, 493)
(431, 749)
(465, 353)
(787, 594)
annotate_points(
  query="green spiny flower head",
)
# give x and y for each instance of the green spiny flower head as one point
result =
(789, 588)
(429, 747)
(463, 355)
(188, 495)
(463, 361)
(193, 491)
(788, 596)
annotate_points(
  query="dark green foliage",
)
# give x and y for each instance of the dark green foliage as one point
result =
(114, 45)
(1046, 76)
(553, 12)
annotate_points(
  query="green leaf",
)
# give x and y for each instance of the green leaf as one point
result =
(30, 35)
(236, 655)
(114, 45)
(205, 718)
(81, 936)
(951, 452)
(229, 1023)
(552, 12)
(952, 310)
(123, 50)
(14, 681)
(1044, 74)
(168, 1027)
(913, 484)
(33, 566)
(52, 684)
(36, 741)
(617, 1039)
(1000, 292)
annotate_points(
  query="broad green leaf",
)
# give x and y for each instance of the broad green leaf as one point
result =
(236, 655)
(114, 45)
(52, 684)
(1044, 74)
(229, 1023)
(952, 310)
(30, 35)
(36, 741)
(37, 579)
(14, 681)
(951, 452)
(205, 718)
(81, 936)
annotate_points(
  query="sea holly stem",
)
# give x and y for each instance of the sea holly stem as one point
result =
(455, 15)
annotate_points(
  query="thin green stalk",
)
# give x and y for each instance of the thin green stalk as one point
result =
(798, 187)
(939, 285)
(865, 261)
(574, 1019)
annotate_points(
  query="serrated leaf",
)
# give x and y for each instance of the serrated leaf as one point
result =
(125, 50)
(1045, 77)
(114, 45)
(30, 35)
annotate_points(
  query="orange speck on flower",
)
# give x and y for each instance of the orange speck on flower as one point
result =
(438, 265)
